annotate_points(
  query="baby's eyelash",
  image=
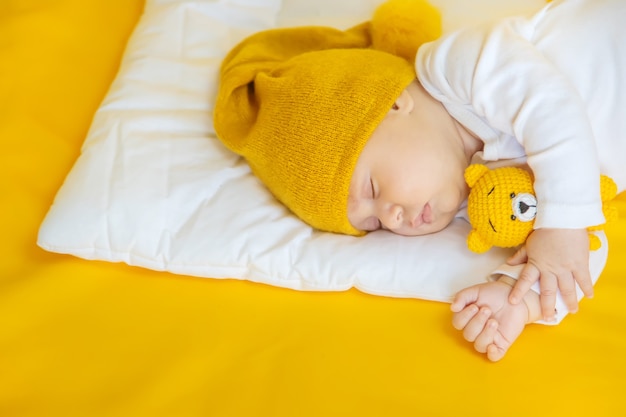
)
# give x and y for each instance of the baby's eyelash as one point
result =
(372, 187)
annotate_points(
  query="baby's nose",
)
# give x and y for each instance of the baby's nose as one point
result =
(393, 217)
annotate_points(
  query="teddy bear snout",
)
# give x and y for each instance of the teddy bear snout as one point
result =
(524, 207)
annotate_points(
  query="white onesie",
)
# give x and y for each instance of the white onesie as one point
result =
(551, 88)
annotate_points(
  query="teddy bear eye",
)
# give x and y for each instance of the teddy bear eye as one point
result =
(513, 217)
(512, 195)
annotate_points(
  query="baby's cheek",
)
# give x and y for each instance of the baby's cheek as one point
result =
(445, 221)
(441, 222)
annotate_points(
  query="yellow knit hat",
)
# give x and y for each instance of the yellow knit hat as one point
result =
(299, 104)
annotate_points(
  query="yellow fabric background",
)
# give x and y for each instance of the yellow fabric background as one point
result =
(81, 338)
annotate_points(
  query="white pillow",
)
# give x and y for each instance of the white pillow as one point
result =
(153, 187)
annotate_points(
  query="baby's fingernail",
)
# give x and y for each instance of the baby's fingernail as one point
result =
(550, 319)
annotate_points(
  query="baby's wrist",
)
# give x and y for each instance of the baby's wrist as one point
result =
(530, 299)
(505, 279)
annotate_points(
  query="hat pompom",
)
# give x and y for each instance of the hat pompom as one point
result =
(401, 26)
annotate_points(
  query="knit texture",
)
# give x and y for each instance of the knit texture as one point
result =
(502, 207)
(300, 104)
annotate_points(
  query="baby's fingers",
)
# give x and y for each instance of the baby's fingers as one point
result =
(549, 288)
(567, 288)
(529, 275)
(498, 348)
(461, 318)
(464, 298)
(486, 337)
(495, 353)
(583, 278)
(476, 324)
(518, 257)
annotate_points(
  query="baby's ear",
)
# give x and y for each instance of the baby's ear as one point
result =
(404, 103)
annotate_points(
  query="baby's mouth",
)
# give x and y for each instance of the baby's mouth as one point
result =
(427, 214)
(424, 217)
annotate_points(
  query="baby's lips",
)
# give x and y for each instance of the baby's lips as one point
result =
(427, 214)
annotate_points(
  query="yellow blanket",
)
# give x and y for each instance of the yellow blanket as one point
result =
(98, 339)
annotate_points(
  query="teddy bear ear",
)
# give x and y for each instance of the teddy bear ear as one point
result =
(608, 191)
(608, 188)
(594, 242)
(474, 172)
(611, 212)
(476, 243)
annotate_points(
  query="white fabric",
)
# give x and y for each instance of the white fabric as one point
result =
(551, 87)
(154, 188)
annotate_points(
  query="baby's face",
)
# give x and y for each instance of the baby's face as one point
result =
(409, 177)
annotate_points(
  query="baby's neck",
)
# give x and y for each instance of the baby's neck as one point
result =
(471, 143)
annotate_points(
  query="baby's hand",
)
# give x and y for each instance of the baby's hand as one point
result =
(558, 258)
(488, 319)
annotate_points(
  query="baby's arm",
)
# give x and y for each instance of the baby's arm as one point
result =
(489, 320)
(561, 155)
(486, 317)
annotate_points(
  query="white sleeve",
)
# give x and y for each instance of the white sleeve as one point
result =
(597, 261)
(497, 77)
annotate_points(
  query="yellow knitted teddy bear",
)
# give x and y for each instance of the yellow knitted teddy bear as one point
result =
(502, 207)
